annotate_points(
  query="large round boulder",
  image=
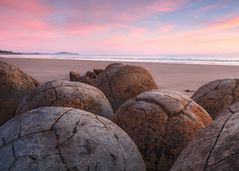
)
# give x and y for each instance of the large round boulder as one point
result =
(215, 148)
(161, 123)
(67, 94)
(122, 82)
(64, 139)
(14, 84)
(219, 97)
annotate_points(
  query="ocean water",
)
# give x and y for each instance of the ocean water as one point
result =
(207, 60)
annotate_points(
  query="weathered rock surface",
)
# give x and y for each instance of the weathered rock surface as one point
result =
(90, 74)
(219, 97)
(67, 94)
(74, 76)
(161, 123)
(98, 71)
(64, 139)
(86, 80)
(122, 82)
(215, 148)
(14, 84)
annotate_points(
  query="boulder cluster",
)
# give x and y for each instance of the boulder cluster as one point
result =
(115, 119)
(118, 82)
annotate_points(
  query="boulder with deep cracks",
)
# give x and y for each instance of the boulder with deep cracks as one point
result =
(59, 138)
(67, 94)
(219, 97)
(161, 123)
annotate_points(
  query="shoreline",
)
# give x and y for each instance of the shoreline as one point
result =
(177, 77)
(185, 62)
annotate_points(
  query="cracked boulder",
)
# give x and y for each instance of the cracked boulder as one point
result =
(219, 97)
(122, 82)
(66, 139)
(14, 84)
(67, 94)
(215, 148)
(161, 123)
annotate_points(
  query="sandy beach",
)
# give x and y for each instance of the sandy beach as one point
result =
(178, 77)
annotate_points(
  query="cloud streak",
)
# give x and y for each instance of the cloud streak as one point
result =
(225, 23)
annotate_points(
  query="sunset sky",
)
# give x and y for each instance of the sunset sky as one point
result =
(130, 27)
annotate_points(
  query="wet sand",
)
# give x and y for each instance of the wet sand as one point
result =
(178, 77)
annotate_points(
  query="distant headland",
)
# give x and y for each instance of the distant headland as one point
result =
(4, 52)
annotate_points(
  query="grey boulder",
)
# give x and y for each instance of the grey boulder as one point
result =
(66, 139)
(67, 94)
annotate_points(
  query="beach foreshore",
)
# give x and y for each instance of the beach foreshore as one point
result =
(179, 77)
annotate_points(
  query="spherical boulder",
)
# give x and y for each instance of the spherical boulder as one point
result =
(215, 148)
(67, 94)
(161, 123)
(122, 82)
(14, 84)
(59, 138)
(219, 97)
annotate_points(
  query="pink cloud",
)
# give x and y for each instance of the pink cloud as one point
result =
(34, 15)
(225, 23)
(18, 15)
(117, 12)
(30, 6)
(112, 15)
(216, 37)
(166, 6)
(137, 12)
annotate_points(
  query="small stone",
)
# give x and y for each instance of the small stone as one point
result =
(86, 80)
(188, 91)
(98, 71)
(90, 74)
(74, 76)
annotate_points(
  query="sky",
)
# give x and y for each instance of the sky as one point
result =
(121, 27)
